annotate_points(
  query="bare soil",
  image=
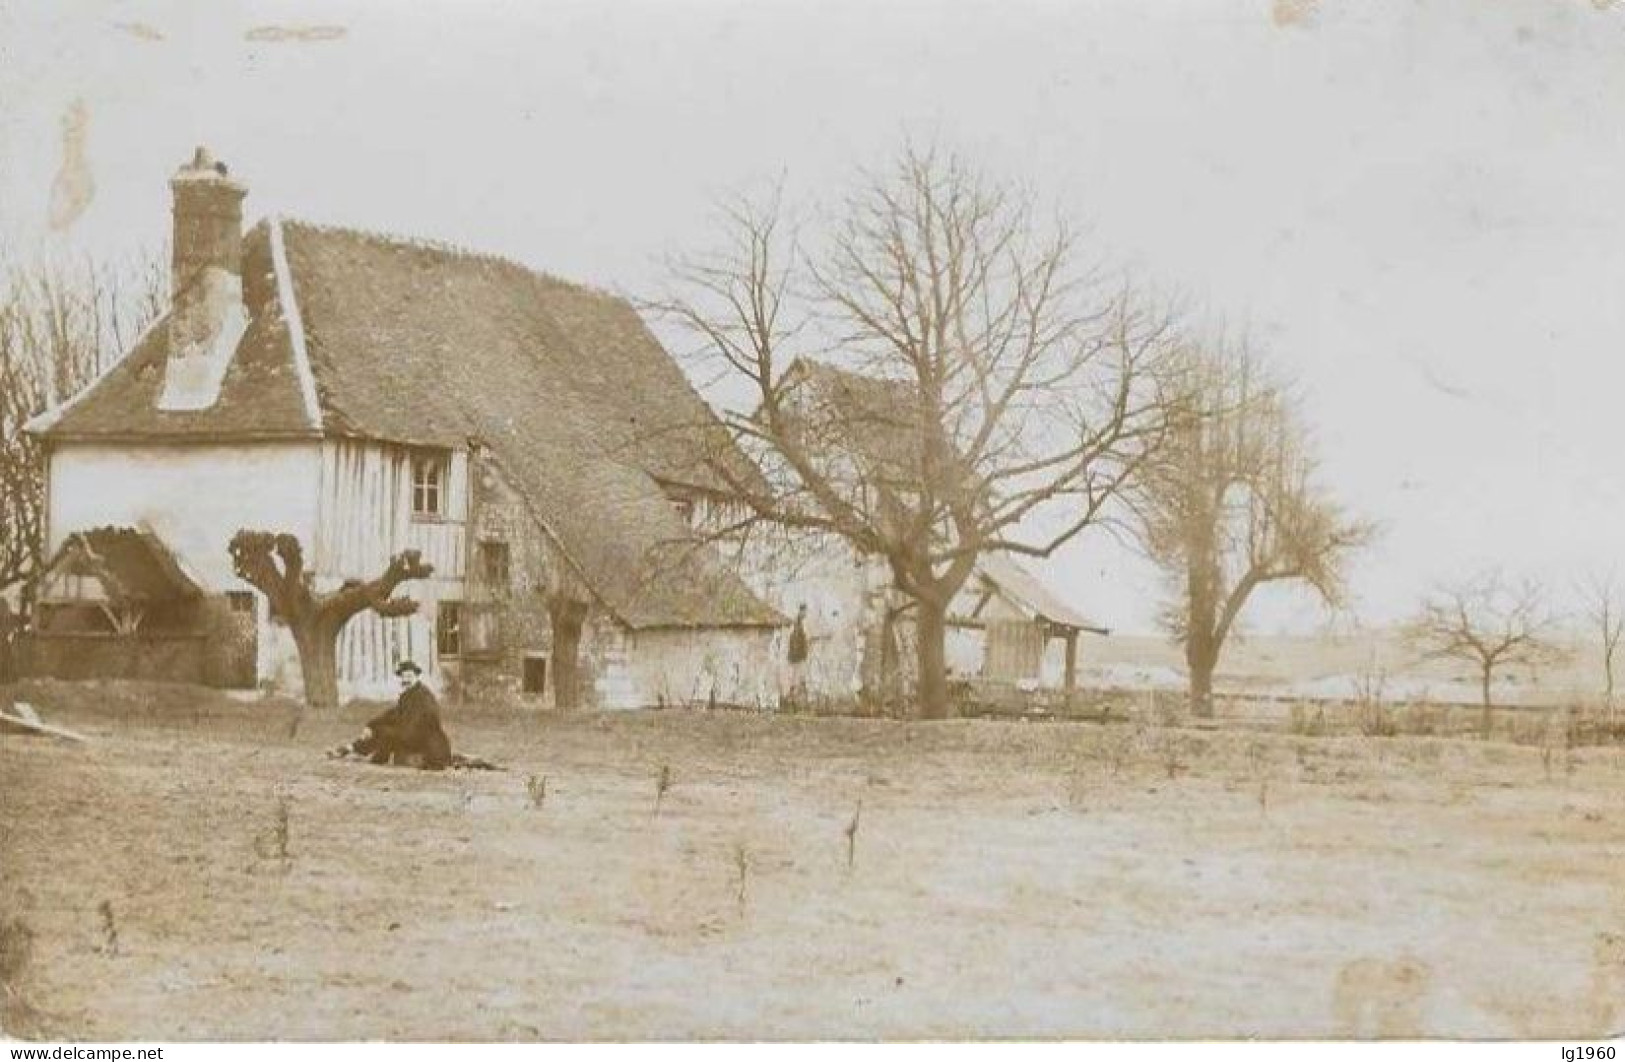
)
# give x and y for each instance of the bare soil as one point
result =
(200, 871)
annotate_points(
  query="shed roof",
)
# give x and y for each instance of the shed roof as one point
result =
(133, 564)
(1029, 594)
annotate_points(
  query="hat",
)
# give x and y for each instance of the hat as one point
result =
(407, 667)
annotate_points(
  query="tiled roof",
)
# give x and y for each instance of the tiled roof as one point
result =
(417, 344)
(870, 419)
(260, 396)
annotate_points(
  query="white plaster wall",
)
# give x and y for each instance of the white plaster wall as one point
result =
(194, 496)
(838, 589)
(743, 666)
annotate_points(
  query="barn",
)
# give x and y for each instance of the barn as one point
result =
(1007, 628)
(369, 394)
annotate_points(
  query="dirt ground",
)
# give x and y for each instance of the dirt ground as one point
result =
(200, 871)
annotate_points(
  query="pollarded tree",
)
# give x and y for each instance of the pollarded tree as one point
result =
(1231, 503)
(973, 389)
(1489, 622)
(274, 564)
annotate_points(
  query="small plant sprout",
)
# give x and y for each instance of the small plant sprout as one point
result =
(1256, 757)
(852, 835)
(536, 786)
(663, 782)
(741, 872)
(1171, 761)
(273, 843)
(109, 943)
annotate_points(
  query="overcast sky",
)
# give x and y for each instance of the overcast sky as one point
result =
(1417, 207)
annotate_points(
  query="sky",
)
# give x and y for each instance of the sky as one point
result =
(1416, 207)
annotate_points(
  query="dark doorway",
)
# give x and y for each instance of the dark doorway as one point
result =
(535, 674)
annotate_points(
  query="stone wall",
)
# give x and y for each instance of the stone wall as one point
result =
(498, 514)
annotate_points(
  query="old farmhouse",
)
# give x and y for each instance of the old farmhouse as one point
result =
(370, 394)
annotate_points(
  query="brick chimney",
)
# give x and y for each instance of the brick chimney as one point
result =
(207, 316)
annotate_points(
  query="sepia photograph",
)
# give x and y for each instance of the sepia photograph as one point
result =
(663, 521)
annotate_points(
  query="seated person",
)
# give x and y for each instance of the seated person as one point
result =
(408, 734)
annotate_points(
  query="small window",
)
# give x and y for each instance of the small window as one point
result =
(429, 484)
(448, 629)
(241, 601)
(494, 566)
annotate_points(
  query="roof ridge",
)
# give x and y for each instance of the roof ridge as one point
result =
(289, 305)
(445, 248)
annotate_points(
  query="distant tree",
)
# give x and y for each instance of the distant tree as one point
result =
(1231, 503)
(59, 325)
(1603, 611)
(274, 564)
(1012, 396)
(1489, 622)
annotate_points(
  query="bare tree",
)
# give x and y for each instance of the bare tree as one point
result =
(977, 385)
(1231, 503)
(1603, 611)
(1488, 622)
(274, 564)
(60, 324)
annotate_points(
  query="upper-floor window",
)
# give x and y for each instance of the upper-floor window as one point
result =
(429, 474)
(495, 568)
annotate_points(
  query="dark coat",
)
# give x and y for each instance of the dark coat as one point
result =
(410, 730)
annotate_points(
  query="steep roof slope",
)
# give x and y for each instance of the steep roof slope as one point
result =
(259, 398)
(870, 420)
(422, 345)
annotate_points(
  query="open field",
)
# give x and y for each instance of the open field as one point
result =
(200, 871)
(1384, 663)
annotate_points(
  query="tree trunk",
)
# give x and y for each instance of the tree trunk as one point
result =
(566, 617)
(318, 661)
(931, 653)
(1486, 671)
(1201, 660)
(1201, 625)
(1608, 688)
